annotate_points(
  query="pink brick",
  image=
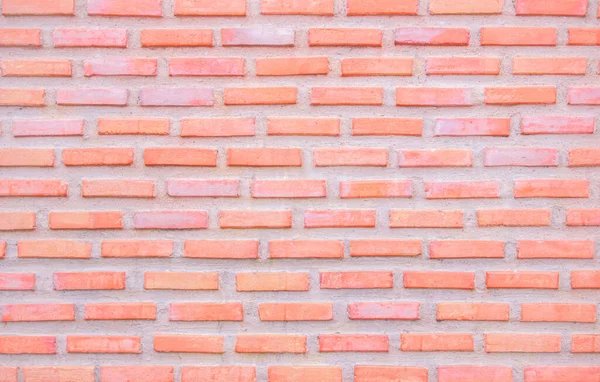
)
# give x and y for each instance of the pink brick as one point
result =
(176, 97)
(171, 220)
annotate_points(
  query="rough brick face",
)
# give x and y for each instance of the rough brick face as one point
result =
(299, 190)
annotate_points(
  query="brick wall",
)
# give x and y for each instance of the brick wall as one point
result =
(299, 190)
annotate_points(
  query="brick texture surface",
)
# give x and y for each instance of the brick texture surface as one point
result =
(299, 190)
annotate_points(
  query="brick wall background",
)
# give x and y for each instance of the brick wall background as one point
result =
(299, 190)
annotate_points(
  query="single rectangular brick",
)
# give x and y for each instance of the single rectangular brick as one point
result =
(181, 281)
(364, 248)
(27, 345)
(466, 249)
(496, 127)
(218, 373)
(17, 221)
(522, 280)
(98, 157)
(26, 157)
(326, 96)
(526, 157)
(353, 343)
(358, 37)
(539, 95)
(17, 281)
(91, 97)
(551, 188)
(54, 249)
(432, 36)
(426, 218)
(357, 280)
(469, 7)
(558, 312)
(365, 373)
(137, 373)
(518, 36)
(583, 217)
(463, 65)
(206, 311)
(461, 373)
(555, 249)
(292, 66)
(315, 311)
(543, 8)
(22, 97)
(562, 373)
(435, 158)
(339, 218)
(170, 220)
(176, 97)
(384, 310)
(38, 8)
(104, 344)
(514, 218)
(58, 373)
(113, 188)
(270, 343)
(89, 38)
(136, 248)
(306, 249)
(257, 36)
(20, 37)
(382, 7)
(584, 36)
(350, 156)
(585, 343)
(522, 343)
(221, 249)
(584, 96)
(295, 7)
(550, 65)
(38, 312)
(180, 156)
(36, 68)
(557, 125)
(188, 344)
(387, 126)
(376, 189)
(585, 279)
(439, 280)
(160, 38)
(261, 96)
(216, 67)
(303, 126)
(137, 8)
(464, 311)
(272, 282)
(120, 67)
(47, 127)
(203, 188)
(89, 281)
(121, 311)
(133, 126)
(210, 8)
(217, 127)
(264, 157)
(436, 342)
(462, 190)
(433, 97)
(304, 373)
(377, 66)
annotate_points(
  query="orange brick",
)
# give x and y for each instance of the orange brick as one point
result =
(89, 38)
(350, 156)
(58, 373)
(345, 37)
(555, 249)
(387, 126)
(296, 311)
(542, 8)
(435, 158)
(365, 373)
(433, 97)
(339, 218)
(118, 8)
(221, 249)
(38, 8)
(176, 38)
(270, 343)
(20, 37)
(137, 248)
(584, 36)
(462, 190)
(522, 343)
(47, 127)
(382, 7)
(376, 189)
(261, 96)
(137, 373)
(513, 218)
(210, 8)
(558, 312)
(89, 281)
(217, 127)
(463, 65)
(550, 65)
(585, 343)
(255, 219)
(304, 126)
(584, 157)
(303, 249)
(218, 373)
(426, 219)
(38, 312)
(181, 280)
(384, 311)
(164, 156)
(120, 67)
(36, 68)
(188, 344)
(432, 36)
(520, 95)
(117, 188)
(522, 280)
(364, 248)
(497, 127)
(104, 344)
(54, 249)
(26, 157)
(98, 157)
(17, 281)
(460, 373)
(292, 66)
(217, 67)
(305, 373)
(264, 157)
(321, 96)
(551, 188)
(585, 279)
(449, 7)
(353, 343)
(22, 97)
(435, 342)
(439, 280)
(202, 311)
(463, 311)
(133, 126)
(27, 345)
(121, 311)
(357, 280)
(518, 36)
(583, 218)
(466, 249)
(272, 282)
(376, 66)
(561, 373)
(17, 221)
(294, 7)
(85, 220)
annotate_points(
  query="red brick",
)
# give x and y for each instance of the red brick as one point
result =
(58, 373)
(117, 188)
(432, 36)
(137, 248)
(264, 157)
(461, 373)
(385, 248)
(520, 95)
(435, 158)
(17, 221)
(557, 125)
(466, 249)
(91, 97)
(464, 311)
(137, 373)
(210, 8)
(558, 312)
(38, 8)
(463, 65)
(326, 96)
(585, 343)
(364, 373)
(384, 311)
(203, 311)
(47, 128)
(98, 157)
(120, 67)
(303, 249)
(382, 7)
(292, 66)
(38, 312)
(562, 373)
(295, 7)
(221, 249)
(426, 219)
(188, 344)
(543, 8)
(469, 7)
(439, 280)
(272, 282)
(522, 280)
(261, 96)
(217, 127)
(270, 343)
(387, 126)
(89, 281)
(497, 127)
(317, 311)
(584, 36)
(119, 8)
(377, 66)
(304, 126)
(376, 189)
(435, 342)
(181, 280)
(206, 67)
(358, 37)
(339, 218)
(550, 65)
(353, 343)
(22, 97)
(305, 373)
(203, 188)
(36, 68)
(133, 126)
(583, 218)
(462, 190)
(551, 188)
(255, 219)
(20, 37)
(357, 280)
(218, 373)
(176, 37)
(170, 220)
(176, 97)
(518, 36)
(257, 36)
(89, 38)
(433, 97)
(54, 249)
(350, 156)
(121, 311)
(555, 249)
(180, 156)
(27, 345)
(522, 343)
(584, 157)
(17, 281)
(585, 279)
